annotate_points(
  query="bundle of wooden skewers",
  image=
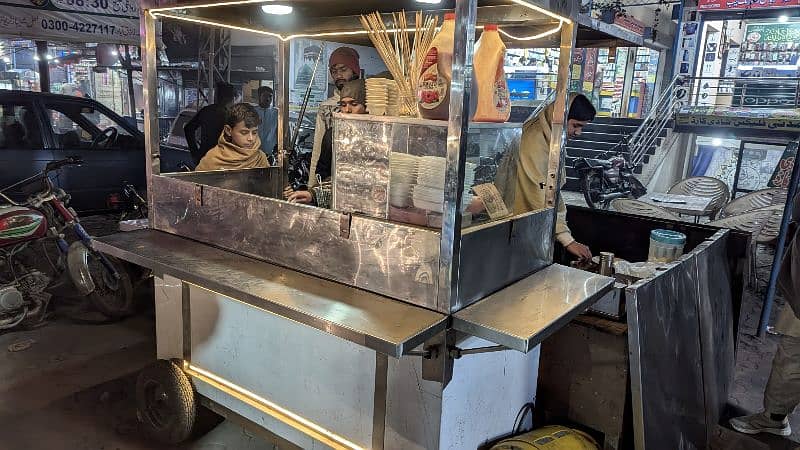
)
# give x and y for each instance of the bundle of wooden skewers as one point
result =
(403, 56)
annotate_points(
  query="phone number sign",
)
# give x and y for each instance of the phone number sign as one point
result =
(101, 21)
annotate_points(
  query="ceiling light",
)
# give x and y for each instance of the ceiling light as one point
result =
(783, 19)
(6, 60)
(716, 142)
(57, 61)
(49, 57)
(114, 52)
(277, 9)
(36, 58)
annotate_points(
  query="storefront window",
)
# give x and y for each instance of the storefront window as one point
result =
(610, 82)
(644, 82)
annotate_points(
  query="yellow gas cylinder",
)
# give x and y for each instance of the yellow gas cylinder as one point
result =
(553, 437)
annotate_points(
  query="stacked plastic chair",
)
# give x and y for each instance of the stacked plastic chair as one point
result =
(716, 189)
(755, 200)
(763, 224)
(640, 208)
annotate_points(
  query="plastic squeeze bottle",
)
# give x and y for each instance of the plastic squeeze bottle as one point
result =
(433, 93)
(489, 99)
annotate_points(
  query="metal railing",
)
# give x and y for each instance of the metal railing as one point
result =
(656, 121)
(763, 92)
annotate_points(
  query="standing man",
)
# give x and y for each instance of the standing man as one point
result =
(343, 66)
(268, 130)
(534, 156)
(210, 120)
(783, 388)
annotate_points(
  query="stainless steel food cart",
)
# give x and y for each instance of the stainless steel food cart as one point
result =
(339, 328)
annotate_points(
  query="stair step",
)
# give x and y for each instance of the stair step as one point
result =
(618, 121)
(600, 137)
(610, 129)
(597, 145)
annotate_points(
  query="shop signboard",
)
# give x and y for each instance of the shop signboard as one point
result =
(782, 175)
(104, 21)
(629, 23)
(770, 33)
(745, 4)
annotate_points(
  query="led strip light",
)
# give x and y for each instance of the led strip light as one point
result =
(273, 410)
(163, 12)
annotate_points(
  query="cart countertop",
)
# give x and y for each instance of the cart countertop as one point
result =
(382, 324)
(527, 312)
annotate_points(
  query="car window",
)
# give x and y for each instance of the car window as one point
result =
(103, 121)
(68, 132)
(19, 126)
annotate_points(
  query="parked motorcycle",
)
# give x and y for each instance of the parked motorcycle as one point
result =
(32, 270)
(603, 180)
(129, 204)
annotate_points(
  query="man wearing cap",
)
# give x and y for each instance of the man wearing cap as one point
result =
(343, 66)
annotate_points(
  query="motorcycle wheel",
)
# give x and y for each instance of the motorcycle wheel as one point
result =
(112, 297)
(165, 402)
(592, 188)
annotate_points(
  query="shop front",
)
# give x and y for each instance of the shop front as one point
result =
(746, 70)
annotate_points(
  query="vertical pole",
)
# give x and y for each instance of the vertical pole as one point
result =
(281, 86)
(43, 66)
(129, 71)
(457, 128)
(558, 136)
(769, 299)
(150, 91)
(627, 82)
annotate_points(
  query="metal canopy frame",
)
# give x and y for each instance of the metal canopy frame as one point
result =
(521, 16)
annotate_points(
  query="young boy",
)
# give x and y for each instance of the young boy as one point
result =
(239, 146)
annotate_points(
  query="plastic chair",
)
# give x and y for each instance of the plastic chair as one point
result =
(704, 187)
(640, 208)
(763, 224)
(754, 200)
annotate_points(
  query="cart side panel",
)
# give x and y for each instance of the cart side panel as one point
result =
(390, 259)
(169, 317)
(487, 391)
(413, 407)
(497, 256)
(324, 379)
(717, 335)
(666, 360)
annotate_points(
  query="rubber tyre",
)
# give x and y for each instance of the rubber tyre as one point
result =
(165, 403)
(588, 181)
(112, 298)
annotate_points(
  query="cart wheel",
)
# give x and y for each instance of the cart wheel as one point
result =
(165, 402)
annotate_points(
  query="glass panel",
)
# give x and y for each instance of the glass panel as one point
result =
(716, 158)
(67, 132)
(104, 122)
(758, 165)
(19, 128)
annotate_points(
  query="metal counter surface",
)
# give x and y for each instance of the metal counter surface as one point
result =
(382, 324)
(525, 313)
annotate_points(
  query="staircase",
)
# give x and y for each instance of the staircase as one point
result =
(600, 136)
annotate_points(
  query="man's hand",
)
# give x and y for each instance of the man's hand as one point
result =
(287, 191)
(581, 251)
(300, 197)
